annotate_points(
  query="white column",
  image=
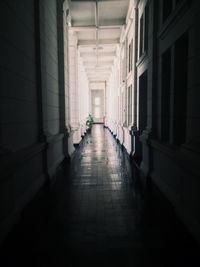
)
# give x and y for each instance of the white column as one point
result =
(73, 88)
(83, 91)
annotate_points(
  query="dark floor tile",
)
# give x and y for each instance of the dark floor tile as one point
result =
(94, 216)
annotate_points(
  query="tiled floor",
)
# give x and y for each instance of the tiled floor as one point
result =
(101, 223)
(94, 216)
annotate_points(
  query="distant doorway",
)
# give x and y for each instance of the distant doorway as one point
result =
(97, 102)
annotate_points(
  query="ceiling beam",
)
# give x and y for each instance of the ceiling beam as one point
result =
(98, 78)
(82, 28)
(94, 70)
(95, 0)
(101, 42)
(101, 60)
(103, 24)
(94, 73)
(94, 28)
(101, 54)
(98, 81)
(97, 69)
(97, 73)
(104, 63)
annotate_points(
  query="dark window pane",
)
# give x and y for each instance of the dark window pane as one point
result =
(167, 8)
(180, 89)
(166, 89)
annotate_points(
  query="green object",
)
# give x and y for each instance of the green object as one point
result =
(89, 121)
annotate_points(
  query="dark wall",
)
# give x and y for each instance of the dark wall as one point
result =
(31, 140)
(18, 102)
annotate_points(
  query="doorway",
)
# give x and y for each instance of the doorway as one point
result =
(97, 103)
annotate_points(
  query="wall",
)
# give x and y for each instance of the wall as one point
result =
(32, 120)
(171, 163)
(19, 134)
(18, 61)
(175, 166)
(51, 91)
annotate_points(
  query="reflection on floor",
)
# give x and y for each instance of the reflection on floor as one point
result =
(96, 215)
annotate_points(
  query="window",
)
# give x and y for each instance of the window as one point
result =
(124, 108)
(143, 101)
(141, 35)
(130, 56)
(143, 41)
(123, 65)
(166, 96)
(130, 105)
(167, 9)
(180, 90)
(168, 6)
(174, 93)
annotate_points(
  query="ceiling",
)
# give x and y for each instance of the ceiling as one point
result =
(98, 25)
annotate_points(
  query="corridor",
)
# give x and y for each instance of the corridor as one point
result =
(96, 218)
(100, 133)
(93, 211)
(95, 215)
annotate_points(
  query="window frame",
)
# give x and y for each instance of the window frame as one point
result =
(144, 31)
